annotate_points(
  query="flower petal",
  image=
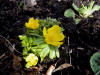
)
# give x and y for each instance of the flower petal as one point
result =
(61, 37)
(57, 43)
(44, 32)
(31, 20)
(55, 29)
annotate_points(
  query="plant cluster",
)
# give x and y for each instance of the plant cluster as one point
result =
(42, 37)
(84, 11)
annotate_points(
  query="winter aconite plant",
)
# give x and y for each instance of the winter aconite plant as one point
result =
(84, 11)
(42, 37)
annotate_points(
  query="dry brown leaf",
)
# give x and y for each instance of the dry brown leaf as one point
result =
(63, 66)
(50, 70)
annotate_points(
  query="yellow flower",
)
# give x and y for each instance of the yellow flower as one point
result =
(31, 60)
(32, 24)
(53, 35)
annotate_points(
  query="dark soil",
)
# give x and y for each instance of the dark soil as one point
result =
(81, 40)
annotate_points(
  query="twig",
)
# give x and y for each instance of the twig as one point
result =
(8, 44)
(70, 56)
(69, 51)
(2, 55)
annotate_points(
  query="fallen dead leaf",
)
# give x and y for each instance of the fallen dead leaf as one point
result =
(63, 66)
(50, 70)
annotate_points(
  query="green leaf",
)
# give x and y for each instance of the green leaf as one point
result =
(22, 37)
(62, 29)
(38, 40)
(25, 40)
(33, 32)
(37, 49)
(90, 6)
(48, 22)
(75, 7)
(27, 65)
(69, 13)
(57, 52)
(96, 8)
(25, 51)
(44, 52)
(77, 20)
(53, 52)
(95, 62)
(25, 43)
